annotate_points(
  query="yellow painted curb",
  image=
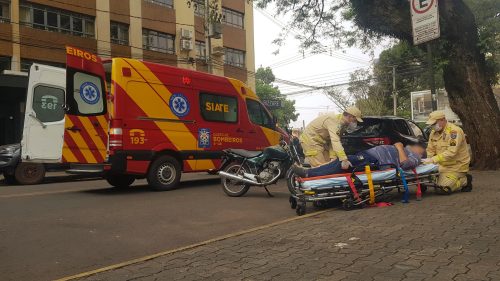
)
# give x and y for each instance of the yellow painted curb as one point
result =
(192, 246)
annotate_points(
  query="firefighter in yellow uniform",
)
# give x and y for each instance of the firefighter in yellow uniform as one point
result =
(321, 138)
(447, 148)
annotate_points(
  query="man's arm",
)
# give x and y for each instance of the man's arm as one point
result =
(336, 145)
(401, 152)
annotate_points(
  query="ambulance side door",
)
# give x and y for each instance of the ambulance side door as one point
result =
(44, 116)
(86, 129)
(219, 128)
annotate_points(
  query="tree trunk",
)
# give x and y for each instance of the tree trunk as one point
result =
(465, 76)
(470, 94)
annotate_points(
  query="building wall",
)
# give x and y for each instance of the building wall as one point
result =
(24, 43)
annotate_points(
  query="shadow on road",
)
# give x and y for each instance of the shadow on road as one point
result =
(59, 179)
(145, 188)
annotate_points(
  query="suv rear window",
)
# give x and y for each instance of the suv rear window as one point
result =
(370, 127)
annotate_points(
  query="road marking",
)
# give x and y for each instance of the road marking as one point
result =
(188, 247)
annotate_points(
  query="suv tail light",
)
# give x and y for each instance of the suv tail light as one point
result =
(116, 134)
(377, 141)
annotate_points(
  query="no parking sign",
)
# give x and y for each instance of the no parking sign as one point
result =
(425, 20)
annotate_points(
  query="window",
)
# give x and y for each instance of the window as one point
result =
(368, 128)
(48, 103)
(167, 3)
(219, 108)
(201, 51)
(234, 57)
(232, 18)
(88, 94)
(4, 11)
(258, 114)
(417, 132)
(199, 7)
(158, 41)
(56, 20)
(401, 127)
(26, 64)
(4, 63)
(119, 33)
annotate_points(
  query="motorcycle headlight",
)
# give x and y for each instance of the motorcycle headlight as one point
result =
(9, 149)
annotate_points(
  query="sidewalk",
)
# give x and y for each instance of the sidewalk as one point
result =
(453, 237)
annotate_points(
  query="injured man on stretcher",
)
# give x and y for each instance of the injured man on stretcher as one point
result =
(382, 156)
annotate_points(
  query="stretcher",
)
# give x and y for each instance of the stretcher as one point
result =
(360, 188)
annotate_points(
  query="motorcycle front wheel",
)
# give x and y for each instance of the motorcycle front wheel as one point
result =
(291, 182)
(235, 188)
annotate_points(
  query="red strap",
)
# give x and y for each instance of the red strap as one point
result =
(419, 190)
(353, 188)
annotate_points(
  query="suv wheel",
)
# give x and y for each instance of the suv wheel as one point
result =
(29, 173)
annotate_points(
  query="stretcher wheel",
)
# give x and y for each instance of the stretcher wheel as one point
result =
(293, 202)
(348, 204)
(301, 210)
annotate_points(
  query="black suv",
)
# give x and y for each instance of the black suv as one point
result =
(378, 130)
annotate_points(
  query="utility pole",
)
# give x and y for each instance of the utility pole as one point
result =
(208, 43)
(430, 62)
(394, 92)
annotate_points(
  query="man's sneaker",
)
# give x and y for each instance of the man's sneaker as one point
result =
(299, 171)
(468, 187)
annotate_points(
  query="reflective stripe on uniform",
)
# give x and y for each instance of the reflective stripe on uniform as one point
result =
(310, 153)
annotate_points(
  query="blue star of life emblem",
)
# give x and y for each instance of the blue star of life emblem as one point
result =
(179, 105)
(89, 93)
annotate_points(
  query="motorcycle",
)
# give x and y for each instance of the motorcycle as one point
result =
(242, 169)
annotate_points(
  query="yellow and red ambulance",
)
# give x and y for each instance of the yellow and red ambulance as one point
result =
(147, 120)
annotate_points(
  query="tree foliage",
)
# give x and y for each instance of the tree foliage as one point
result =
(264, 78)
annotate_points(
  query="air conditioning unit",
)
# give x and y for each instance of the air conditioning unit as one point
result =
(218, 51)
(186, 45)
(186, 33)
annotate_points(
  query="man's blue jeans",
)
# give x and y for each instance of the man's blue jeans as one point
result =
(359, 159)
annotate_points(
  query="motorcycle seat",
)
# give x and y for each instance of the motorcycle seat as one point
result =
(245, 153)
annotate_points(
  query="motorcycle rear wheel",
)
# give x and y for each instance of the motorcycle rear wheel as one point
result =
(234, 188)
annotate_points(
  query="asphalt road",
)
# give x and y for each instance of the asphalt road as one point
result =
(71, 225)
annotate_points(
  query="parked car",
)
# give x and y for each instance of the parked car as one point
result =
(380, 130)
(14, 171)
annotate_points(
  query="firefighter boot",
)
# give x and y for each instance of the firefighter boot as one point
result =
(468, 187)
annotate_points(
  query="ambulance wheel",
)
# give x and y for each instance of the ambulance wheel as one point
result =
(293, 202)
(301, 210)
(164, 174)
(120, 181)
(29, 173)
(9, 179)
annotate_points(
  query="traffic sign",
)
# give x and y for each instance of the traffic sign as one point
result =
(425, 20)
(272, 104)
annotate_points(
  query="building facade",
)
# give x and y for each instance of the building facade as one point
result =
(164, 31)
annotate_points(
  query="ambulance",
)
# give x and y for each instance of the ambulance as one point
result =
(139, 119)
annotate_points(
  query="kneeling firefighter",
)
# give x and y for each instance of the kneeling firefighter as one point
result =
(447, 148)
(321, 138)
